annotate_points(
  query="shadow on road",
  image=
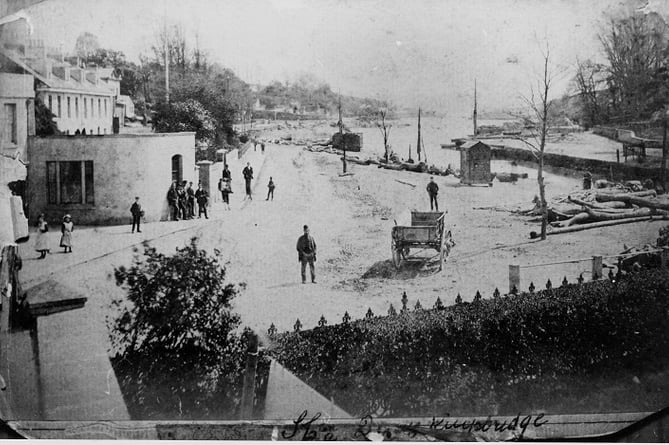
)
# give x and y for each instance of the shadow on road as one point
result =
(410, 268)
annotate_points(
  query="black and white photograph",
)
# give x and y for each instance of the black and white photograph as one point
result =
(382, 220)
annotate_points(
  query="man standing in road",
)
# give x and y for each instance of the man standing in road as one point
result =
(306, 253)
(432, 190)
(248, 176)
(202, 197)
(136, 211)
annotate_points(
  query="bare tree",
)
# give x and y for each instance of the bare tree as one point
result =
(86, 44)
(384, 127)
(589, 80)
(637, 46)
(540, 107)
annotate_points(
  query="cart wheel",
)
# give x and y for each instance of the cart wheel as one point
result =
(397, 254)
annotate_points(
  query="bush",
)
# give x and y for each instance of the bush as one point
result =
(581, 330)
(176, 348)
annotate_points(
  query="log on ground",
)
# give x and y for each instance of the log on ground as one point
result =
(595, 225)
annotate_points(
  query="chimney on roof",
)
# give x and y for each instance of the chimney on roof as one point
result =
(77, 73)
(93, 75)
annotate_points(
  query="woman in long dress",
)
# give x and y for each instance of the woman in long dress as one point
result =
(41, 241)
(66, 238)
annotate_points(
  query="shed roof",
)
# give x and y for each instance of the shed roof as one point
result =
(469, 144)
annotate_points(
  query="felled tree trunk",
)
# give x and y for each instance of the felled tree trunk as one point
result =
(598, 205)
(595, 225)
(603, 216)
(633, 200)
(576, 219)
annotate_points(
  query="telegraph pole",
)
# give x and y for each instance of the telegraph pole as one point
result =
(341, 134)
(475, 110)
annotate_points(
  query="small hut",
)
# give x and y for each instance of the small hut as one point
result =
(474, 162)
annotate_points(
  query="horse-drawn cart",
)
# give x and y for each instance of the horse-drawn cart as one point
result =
(427, 230)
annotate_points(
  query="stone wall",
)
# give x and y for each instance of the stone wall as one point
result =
(594, 166)
(124, 166)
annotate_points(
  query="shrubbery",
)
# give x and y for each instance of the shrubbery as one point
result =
(177, 350)
(571, 330)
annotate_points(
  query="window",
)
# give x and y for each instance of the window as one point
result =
(9, 124)
(106, 108)
(70, 182)
(59, 105)
(99, 108)
(50, 102)
(92, 108)
(85, 108)
(76, 107)
(177, 168)
(69, 108)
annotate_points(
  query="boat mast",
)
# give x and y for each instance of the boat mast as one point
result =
(475, 110)
(418, 143)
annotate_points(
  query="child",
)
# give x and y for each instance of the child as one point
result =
(66, 238)
(41, 242)
(270, 189)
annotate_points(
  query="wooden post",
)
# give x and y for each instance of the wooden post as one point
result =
(514, 277)
(664, 152)
(596, 267)
(248, 388)
(664, 257)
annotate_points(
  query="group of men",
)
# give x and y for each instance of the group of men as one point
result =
(182, 198)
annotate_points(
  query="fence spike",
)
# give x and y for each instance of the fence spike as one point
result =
(477, 297)
(580, 278)
(298, 325)
(391, 310)
(438, 304)
(458, 299)
(369, 313)
(496, 293)
(514, 290)
(271, 331)
(564, 281)
(611, 276)
(346, 317)
(418, 306)
(549, 285)
(531, 288)
(405, 300)
(322, 322)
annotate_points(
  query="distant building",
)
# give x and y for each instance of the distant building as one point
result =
(82, 99)
(474, 162)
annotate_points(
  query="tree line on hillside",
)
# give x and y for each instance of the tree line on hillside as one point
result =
(204, 96)
(633, 84)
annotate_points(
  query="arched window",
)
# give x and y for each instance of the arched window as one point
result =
(177, 168)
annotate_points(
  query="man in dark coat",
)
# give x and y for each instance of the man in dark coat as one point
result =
(191, 200)
(202, 200)
(306, 254)
(136, 211)
(248, 176)
(432, 190)
(173, 201)
(183, 200)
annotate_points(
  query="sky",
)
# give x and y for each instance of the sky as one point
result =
(412, 52)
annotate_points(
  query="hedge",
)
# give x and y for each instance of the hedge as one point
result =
(573, 330)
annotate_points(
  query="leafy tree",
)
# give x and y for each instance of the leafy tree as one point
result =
(44, 123)
(175, 341)
(188, 115)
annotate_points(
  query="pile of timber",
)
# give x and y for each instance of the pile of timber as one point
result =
(600, 209)
(420, 167)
